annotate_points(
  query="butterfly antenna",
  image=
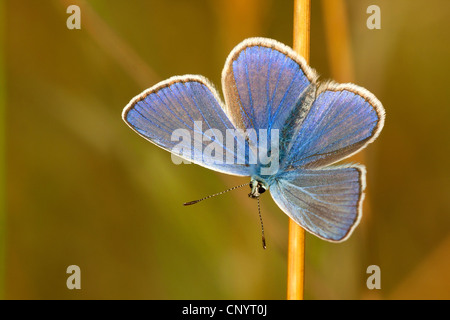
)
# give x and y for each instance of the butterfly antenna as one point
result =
(213, 195)
(262, 226)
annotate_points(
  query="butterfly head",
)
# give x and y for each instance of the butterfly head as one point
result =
(257, 187)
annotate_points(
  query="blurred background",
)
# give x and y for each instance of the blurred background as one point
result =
(79, 187)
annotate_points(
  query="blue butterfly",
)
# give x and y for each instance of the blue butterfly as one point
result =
(267, 86)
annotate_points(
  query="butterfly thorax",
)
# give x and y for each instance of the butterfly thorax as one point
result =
(257, 186)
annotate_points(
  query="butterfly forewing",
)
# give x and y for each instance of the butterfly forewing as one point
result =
(187, 106)
(262, 82)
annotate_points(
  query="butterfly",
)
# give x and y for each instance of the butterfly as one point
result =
(271, 94)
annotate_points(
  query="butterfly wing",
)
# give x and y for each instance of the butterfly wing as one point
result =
(263, 81)
(187, 105)
(325, 202)
(342, 120)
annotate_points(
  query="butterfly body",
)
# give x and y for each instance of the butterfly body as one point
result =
(258, 186)
(278, 125)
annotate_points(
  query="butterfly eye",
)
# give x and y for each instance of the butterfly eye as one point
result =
(261, 189)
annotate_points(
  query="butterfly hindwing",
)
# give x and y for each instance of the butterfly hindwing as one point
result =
(326, 202)
(342, 120)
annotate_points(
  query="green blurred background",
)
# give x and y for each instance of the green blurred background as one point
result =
(82, 188)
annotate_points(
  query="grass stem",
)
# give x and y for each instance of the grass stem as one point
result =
(296, 246)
